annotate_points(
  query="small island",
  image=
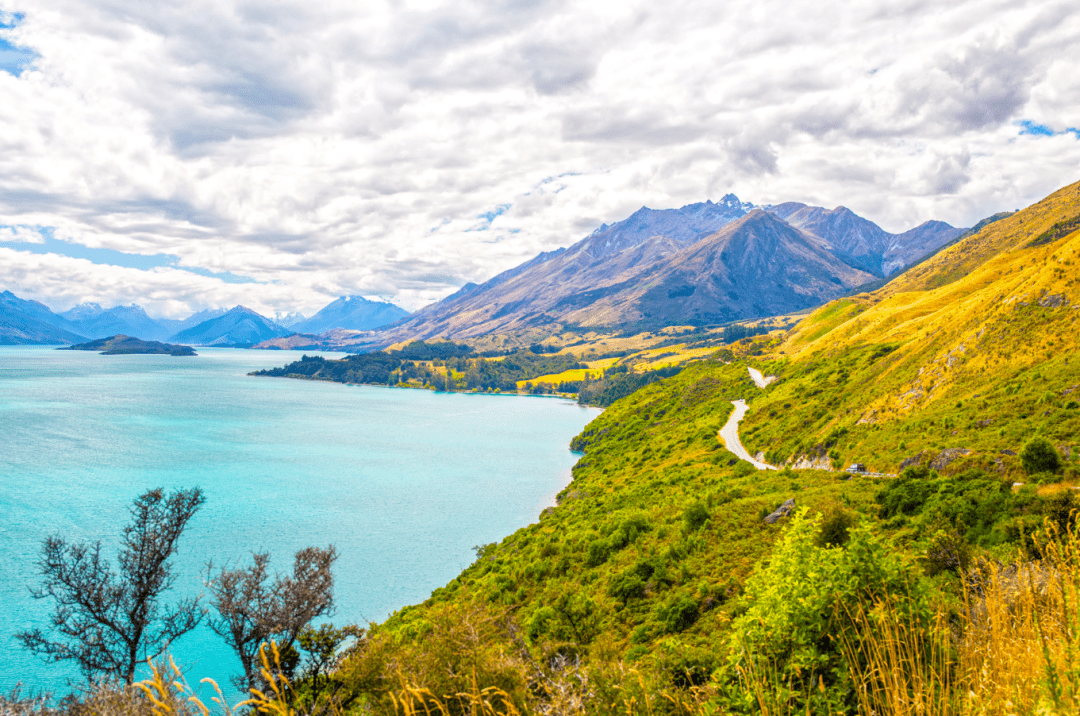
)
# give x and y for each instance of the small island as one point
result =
(128, 345)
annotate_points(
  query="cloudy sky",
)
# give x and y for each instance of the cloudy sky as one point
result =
(280, 153)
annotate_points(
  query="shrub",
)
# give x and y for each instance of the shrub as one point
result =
(1039, 456)
(947, 552)
(679, 614)
(835, 525)
(695, 515)
(626, 586)
(744, 469)
(805, 596)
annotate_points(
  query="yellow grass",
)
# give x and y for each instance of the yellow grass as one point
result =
(567, 376)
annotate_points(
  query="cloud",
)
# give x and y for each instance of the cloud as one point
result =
(342, 148)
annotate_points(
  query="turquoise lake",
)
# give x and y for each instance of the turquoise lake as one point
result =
(403, 482)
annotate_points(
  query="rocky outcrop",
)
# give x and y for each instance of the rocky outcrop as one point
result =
(948, 456)
(781, 512)
(914, 461)
(809, 462)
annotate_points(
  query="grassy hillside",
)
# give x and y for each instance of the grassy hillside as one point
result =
(982, 362)
(656, 577)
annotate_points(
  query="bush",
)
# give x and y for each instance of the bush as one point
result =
(626, 586)
(695, 515)
(947, 552)
(802, 600)
(679, 614)
(1039, 456)
(835, 525)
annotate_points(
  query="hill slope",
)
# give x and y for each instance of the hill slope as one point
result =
(978, 339)
(644, 572)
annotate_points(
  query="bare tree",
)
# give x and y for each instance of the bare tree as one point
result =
(110, 621)
(253, 608)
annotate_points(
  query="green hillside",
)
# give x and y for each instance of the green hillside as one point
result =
(644, 588)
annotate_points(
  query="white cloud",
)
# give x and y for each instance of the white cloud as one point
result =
(353, 148)
(20, 234)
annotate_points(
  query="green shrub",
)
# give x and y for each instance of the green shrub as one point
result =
(797, 605)
(947, 552)
(1039, 455)
(679, 613)
(626, 586)
(597, 553)
(836, 523)
(695, 515)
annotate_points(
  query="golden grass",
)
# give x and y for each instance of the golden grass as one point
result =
(567, 376)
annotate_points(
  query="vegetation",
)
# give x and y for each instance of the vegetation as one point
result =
(127, 345)
(656, 587)
(253, 609)
(109, 621)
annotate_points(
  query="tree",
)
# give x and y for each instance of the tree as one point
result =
(252, 608)
(110, 621)
(1038, 455)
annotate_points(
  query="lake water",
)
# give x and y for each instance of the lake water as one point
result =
(403, 482)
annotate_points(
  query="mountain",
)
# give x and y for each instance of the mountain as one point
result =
(288, 320)
(622, 274)
(25, 322)
(174, 326)
(755, 267)
(353, 313)
(237, 327)
(961, 381)
(616, 277)
(862, 243)
(91, 320)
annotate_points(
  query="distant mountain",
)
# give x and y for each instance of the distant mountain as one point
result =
(25, 322)
(93, 321)
(862, 243)
(353, 313)
(174, 326)
(623, 274)
(237, 327)
(288, 320)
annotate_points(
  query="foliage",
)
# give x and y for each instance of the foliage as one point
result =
(442, 365)
(106, 620)
(253, 609)
(1039, 455)
(797, 602)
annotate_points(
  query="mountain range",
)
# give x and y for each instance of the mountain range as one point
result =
(31, 322)
(703, 264)
(706, 263)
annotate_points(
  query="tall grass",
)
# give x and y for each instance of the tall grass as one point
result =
(1013, 647)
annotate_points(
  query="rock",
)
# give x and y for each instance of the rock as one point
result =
(948, 456)
(985, 423)
(805, 462)
(913, 461)
(1009, 452)
(1053, 300)
(781, 512)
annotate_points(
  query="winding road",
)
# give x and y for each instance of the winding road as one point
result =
(729, 434)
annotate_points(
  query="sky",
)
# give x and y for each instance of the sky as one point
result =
(279, 154)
